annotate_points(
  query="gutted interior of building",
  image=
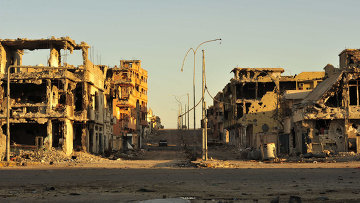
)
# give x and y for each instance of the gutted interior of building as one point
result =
(312, 112)
(55, 104)
(249, 111)
(327, 119)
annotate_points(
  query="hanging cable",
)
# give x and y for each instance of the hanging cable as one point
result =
(190, 109)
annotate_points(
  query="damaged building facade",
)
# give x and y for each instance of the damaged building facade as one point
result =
(327, 118)
(56, 105)
(129, 90)
(248, 111)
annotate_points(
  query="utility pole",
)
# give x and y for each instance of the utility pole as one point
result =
(188, 124)
(8, 115)
(204, 120)
(178, 119)
(194, 51)
(181, 118)
(185, 117)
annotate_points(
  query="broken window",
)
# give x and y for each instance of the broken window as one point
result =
(79, 97)
(246, 91)
(335, 100)
(39, 57)
(226, 115)
(62, 99)
(77, 136)
(354, 91)
(27, 133)
(28, 92)
(239, 110)
(96, 101)
(322, 126)
(264, 87)
(291, 85)
(247, 107)
(74, 58)
(57, 133)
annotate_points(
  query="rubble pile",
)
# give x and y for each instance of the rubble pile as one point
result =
(127, 155)
(214, 164)
(53, 156)
(324, 157)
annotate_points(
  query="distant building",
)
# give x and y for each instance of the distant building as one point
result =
(129, 84)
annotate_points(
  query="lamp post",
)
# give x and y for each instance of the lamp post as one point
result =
(194, 51)
(180, 112)
(204, 119)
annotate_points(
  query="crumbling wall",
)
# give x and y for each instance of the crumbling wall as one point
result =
(262, 115)
(2, 142)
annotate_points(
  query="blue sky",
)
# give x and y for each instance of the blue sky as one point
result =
(295, 35)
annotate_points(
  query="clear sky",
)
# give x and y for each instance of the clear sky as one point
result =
(295, 35)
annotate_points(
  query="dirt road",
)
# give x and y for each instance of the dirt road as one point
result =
(201, 185)
(161, 173)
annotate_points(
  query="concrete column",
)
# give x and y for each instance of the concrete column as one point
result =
(18, 59)
(48, 96)
(68, 137)
(54, 60)
(49, 142)
(84, 138)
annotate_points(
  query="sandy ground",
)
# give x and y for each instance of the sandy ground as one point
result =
(199, 185)
(162, 173)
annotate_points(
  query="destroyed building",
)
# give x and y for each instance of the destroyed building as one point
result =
(215, 115)
(328, 118)
(56, 105)
(247, 111)
(129, 87)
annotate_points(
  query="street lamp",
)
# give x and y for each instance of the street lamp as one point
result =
(186, 110)
(180, 112)
(194, 51)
